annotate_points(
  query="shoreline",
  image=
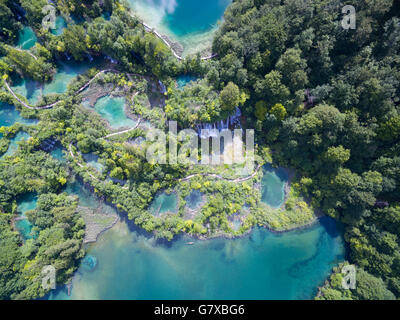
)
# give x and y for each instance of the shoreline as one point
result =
(175, 46)
(124, 215)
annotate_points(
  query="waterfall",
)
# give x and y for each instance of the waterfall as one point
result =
(163, 88)
(89, 56)
(208, 130)
(111, 59)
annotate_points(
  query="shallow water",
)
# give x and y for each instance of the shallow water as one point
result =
(26, 38)
(163, 203)
(89, 262)
(262, 265)
(61, 24)
(13, 146)
(273, 186)
(92, 160)
(193, 200)
(10, 115)
(26, 203)
(185, 80)
(28, 88)
(113, 110)
(85, 196)
(66, 72)
(58, 154)
(192, 23)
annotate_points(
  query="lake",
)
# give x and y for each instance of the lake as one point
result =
(164, 203)
(66, 72)
(113, 110)
(191, 23)
(26, 38)
(273, 186)
(14, 142)
(26, 203)
(262, 265)
(10, 115)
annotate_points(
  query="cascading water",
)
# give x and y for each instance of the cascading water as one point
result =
(89, 56)
(114, 61)
(162, 86)
(208, 130)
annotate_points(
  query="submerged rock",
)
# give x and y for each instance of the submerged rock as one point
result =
(89, 262)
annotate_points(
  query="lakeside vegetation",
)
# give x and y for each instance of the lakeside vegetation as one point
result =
(343, 143)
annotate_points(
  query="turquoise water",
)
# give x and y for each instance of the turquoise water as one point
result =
(66, 72)
(26, 203)
(86, 198)
(58, 154)
(92, 160)
(26, 38)
(262, 265)
(164, 203)
(61, 24)
(13, 147)
(192, 23)
(89, 262)
(10, 115)
(185, 80)
(273, 186)
(113, 110)
(28, 88)
(194, 199)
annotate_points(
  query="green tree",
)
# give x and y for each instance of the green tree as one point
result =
(279, 111)
(230, 96)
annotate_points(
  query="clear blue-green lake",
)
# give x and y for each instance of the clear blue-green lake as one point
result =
(28, 88)
(273, 186)
(93, 160)
(192, 23)
(184, 80)
(61, 24)
(66, 72)
(86, 198)
(194, 199)
(13, 146)
(58, 154)
(10, 115)
(113, 111)
(164, 203)
(26, 38)
(262, 265)
(26, 203)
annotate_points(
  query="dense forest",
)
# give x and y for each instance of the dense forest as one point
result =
(345, 139)
(323, 100)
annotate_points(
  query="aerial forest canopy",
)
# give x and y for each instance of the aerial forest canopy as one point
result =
(322, 100)
(345, 139)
